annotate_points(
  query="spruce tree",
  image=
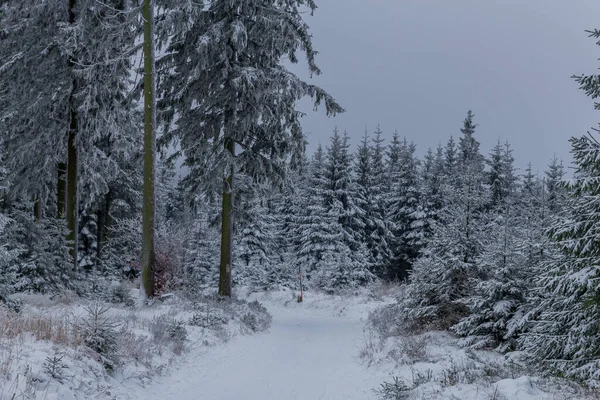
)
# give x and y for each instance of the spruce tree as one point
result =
(329, 237)
(69, 67)
(406, 213)
(563, 332)
(35, 76)
(255, 246)
(339, 191)
(496, 176)
(201, 261)
(369, 172)
(364, 192)
(443, 277)
(451, 159)
(289, 209)
(234, 99)
(432, 178)
(553, 180)
(319, 229)
(381, 237)
(502, 282)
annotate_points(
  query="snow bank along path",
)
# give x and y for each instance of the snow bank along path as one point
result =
(309, 353)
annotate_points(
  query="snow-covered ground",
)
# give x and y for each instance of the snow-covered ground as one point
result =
(318, 349)
(322, 349)
(310, 352)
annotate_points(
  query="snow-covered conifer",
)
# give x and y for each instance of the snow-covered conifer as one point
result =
(443, 277)
(562, 334)
(432, 178)
(501, 283)
(233, 97)
(554, 176)
(407, 214)
(369, 172)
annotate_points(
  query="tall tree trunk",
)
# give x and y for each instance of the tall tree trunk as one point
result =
(61, 190)
(37, 208)
(72, 203)
(227, 228)
(148, 210)
(104, 221)
(107, 219)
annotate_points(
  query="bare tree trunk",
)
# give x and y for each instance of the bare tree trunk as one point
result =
(148, 209)
(227, 228)
(72, 203)
(37, 208)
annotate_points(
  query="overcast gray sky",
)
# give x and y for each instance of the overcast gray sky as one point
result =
(418, 65)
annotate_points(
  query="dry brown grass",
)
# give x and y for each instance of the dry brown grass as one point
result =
(58, 329)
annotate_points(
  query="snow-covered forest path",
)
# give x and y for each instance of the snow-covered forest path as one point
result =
(310, 353)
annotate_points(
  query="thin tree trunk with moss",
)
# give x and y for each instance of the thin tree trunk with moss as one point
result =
(148, 209)
(227, 228)
(72, 206)
(61, 190)
(72, 203)
(104, 222)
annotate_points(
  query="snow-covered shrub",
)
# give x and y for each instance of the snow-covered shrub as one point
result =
(168, 331)
(385, 321)
(439, 282)
(394, 390)
(171, 242)
(414, 348)
(43, 263)
(98, 331)
(7, 261)
(12, 304)
(201, 261)
(372, 345)
(55, 367)
(212, 318)
(502, 288)
(257, 307)
(420, 377)
(120, 293)
(177, 331)
(124, 245)
(122, 251)
(461, 371)
(257, 319)
(207, 320)
(158, 328)
(250, 321)
(87, 243)
(134, 347)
